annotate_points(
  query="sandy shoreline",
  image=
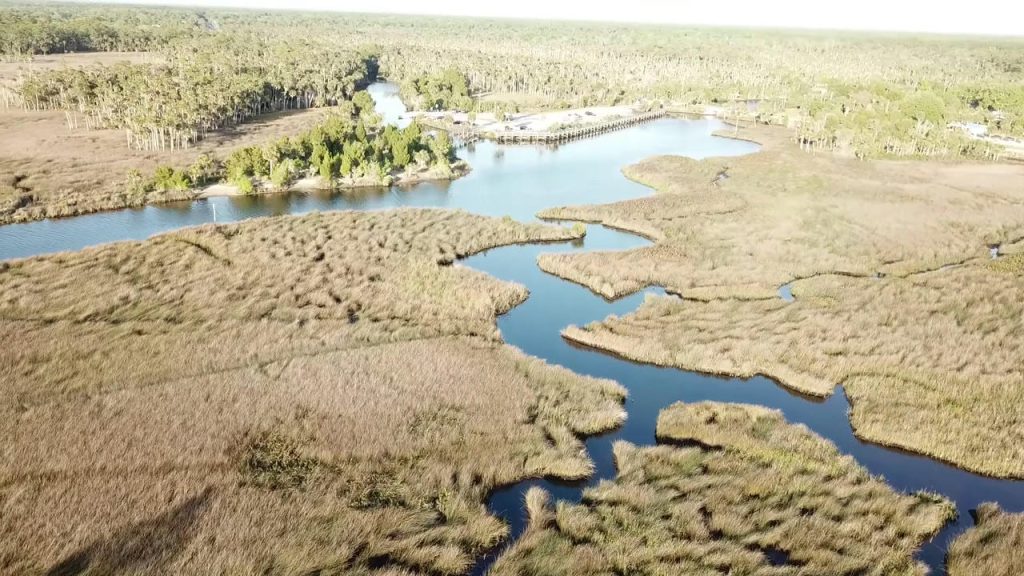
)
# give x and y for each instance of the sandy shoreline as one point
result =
(316, 183)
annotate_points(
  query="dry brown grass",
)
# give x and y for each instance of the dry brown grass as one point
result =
(782, 214)
(931, 362)
(50, 171)
(281, 396)
(995, 547)
(740, 491)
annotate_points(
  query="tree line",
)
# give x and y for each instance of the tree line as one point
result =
(350, 145)
(29, 30)
(869, 94)
(206, 85)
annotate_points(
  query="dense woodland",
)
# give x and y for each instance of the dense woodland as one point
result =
(870, 95)
(445, 90)
(52, 29)
(206, 84)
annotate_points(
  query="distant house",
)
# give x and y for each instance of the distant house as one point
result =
(972, 129)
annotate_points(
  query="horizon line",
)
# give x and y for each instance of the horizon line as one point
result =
(219, 5)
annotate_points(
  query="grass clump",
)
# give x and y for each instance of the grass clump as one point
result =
(1011, 263)
(733, 489)
(994, 547)
(273, 460)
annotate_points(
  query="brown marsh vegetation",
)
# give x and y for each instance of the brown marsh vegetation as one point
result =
(282, 396)
(741, 227)
(994, 547)
(930, 362)
(732, 489)
(896, 297)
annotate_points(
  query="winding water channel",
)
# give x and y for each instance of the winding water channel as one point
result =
(520, 181)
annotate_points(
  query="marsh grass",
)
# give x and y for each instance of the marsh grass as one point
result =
(931, 363)
(994, 547)
(732, 489)
(783, 214)
(273, 460)
(1011, 263)
(294, 395)
(896, 297)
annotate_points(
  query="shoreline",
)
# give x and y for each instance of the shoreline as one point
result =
(317, 184)
(119, 200)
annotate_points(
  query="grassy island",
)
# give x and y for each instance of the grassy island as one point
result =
(994, 547)
(732, 489)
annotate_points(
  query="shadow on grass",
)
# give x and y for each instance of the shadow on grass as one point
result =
(146, 546)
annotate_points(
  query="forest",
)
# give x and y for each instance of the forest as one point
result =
(49, 30)
(446, 90)
(868, 95)
(207, 84)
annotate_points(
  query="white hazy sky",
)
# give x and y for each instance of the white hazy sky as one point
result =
(1002, 17)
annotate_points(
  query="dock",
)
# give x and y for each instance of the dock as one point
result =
(572, 133)
(465, 134)
(462, 135)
